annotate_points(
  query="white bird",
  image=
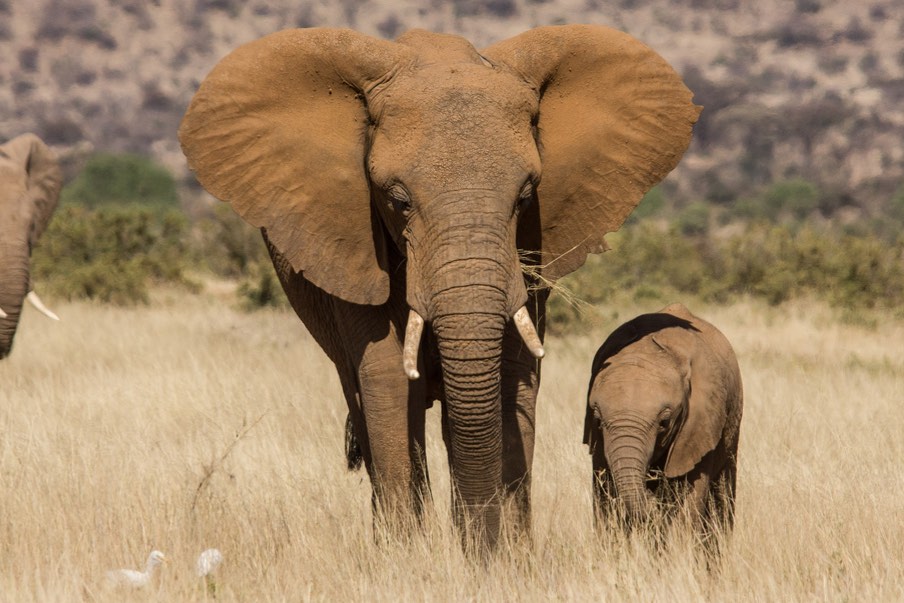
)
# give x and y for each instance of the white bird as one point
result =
(134, 578)
(208, 561)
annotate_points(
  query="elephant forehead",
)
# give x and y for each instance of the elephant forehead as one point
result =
(637, 377)
(434, 47)
(469, 93)
(13, 177)
(442, 118)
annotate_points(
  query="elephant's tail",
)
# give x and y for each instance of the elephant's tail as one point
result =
(352, 447)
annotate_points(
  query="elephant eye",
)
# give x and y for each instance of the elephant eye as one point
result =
(664, 419)
(526, 195)
(401, 200)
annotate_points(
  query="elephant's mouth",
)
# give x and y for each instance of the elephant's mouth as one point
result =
(415, 329)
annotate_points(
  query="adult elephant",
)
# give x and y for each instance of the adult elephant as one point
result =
(30, 181)
(398, 183)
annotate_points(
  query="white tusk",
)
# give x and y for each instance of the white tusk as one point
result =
(39, 305)
(412, 342)
(528, 333)
(2, 313)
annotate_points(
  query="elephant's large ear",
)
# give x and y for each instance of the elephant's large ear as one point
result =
(44, 179)
(614, 119)
(706, 412)
(278, 129)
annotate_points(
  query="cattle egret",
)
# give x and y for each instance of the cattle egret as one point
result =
(134, 578)
(208, 561)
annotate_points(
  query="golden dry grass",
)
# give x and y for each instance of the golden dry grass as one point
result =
(112, 419)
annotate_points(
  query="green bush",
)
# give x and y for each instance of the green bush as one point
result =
(896, 206)
(652, 204)
(796, 197)
(694, 219)
(112, 254)
(229, 246)
(109, 179)
(261, 289)
(771, 262)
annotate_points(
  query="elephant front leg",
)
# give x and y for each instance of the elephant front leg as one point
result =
(520, 383)
(388, 414)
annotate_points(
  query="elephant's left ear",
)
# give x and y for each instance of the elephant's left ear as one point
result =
(44, 179)
(614, 119)
(704, 425)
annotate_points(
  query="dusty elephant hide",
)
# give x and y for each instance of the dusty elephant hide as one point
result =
(403, 185)
(665, 400)
(30, 181)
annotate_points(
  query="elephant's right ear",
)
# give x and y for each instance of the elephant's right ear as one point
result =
(44, 179)
(614, 119)
(278, 129)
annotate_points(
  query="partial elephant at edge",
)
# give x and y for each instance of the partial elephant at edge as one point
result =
(30, 183)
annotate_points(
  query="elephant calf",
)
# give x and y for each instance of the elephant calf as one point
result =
(663, 415)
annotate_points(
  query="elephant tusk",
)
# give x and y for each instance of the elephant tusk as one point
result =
(412, 342)
(528, 333)
(39, 305)
(2, 313)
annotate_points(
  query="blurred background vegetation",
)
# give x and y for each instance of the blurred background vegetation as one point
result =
(793, 184)
(121, 229)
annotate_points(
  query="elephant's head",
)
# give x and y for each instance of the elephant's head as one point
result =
(30, 181)
(342, 146)
(655, 405)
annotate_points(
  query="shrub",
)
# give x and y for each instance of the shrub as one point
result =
(261, 288)
(694, 219)
(856, 32)
(230, 247)
(498, 8)
(771, 262)
(390, 27)
(28, 59)
(651, 204)
(110, 179)
(896, 206)
(808, 6)
(112, 254)
(796, 197)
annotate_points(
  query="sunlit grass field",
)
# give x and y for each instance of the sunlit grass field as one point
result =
(188, 424)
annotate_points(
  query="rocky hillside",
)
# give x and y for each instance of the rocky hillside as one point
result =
(810, 89)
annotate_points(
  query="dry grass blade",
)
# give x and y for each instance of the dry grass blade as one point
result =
(537, 281)
(211, 468)
(100, 423)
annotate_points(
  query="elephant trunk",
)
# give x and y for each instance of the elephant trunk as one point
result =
(470, 345)
(468, 284)
(628, 447)
(14, 279)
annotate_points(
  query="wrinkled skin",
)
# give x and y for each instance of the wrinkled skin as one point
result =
(663, 415)
(30, 181)
(392, 178)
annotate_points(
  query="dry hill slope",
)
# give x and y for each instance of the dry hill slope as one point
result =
(809, 88)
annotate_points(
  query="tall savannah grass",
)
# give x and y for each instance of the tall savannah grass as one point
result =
(186, 424)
